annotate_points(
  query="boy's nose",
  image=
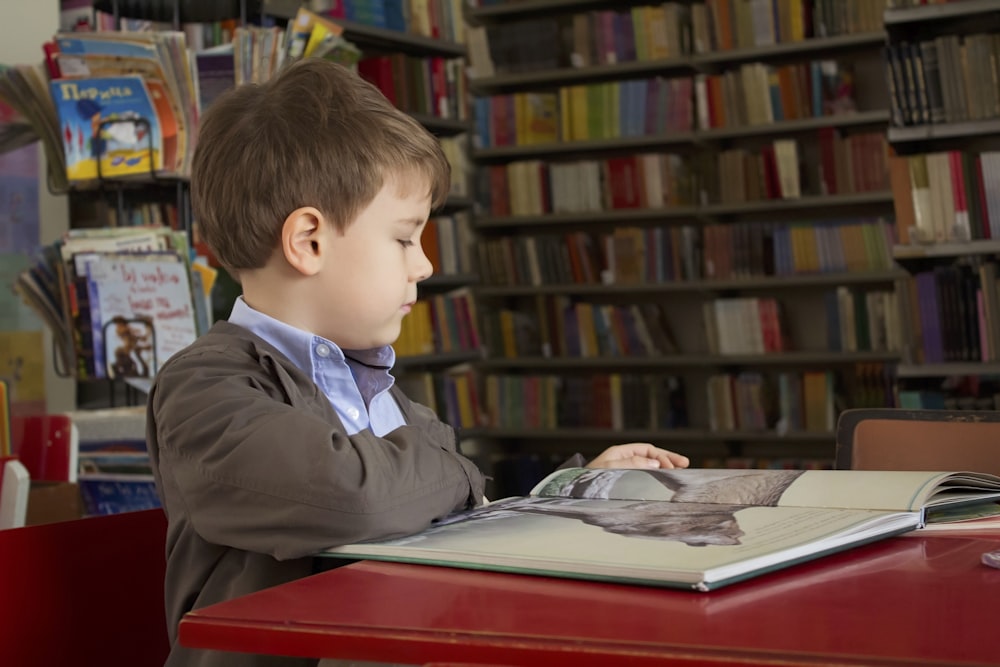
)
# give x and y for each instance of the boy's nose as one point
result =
(422, 268)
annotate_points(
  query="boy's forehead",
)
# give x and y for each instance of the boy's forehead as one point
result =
(408, 182)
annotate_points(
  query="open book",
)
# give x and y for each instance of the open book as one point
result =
(690, 528)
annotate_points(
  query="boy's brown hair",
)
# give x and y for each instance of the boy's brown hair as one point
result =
(315, 135)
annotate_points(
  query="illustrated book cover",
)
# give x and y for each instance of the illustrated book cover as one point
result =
(698, 529)
(109, 126)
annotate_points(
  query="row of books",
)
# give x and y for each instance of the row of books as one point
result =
(582, 39)
(863, 320)
(946, 196)
(948, 79)
(852, 164)
(758, 93)
(745, 325)
(453, 394)
(438, 20)
(119, 301)
(612, 110)
(535, 187)
(649, 255)
(661, 31)
(560, 327)
(789, 402)
(440, 323)
(741, 24)
(447, 241)
(847, 165)
(433, 86)
(952, 313)
(600, 400)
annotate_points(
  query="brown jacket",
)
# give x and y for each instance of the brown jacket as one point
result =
(257, 474)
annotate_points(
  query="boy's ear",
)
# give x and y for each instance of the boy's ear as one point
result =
(302, 238)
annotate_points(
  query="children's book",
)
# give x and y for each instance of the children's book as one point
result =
(698, 529)
(109, 127)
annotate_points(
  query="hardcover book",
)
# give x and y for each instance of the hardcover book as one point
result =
(688, 528)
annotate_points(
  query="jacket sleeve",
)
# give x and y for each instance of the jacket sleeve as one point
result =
(254, 470)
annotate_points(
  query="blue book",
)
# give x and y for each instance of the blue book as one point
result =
(112, 119)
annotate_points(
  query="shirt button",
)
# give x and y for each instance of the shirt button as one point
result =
(353, 413)
(323, 350)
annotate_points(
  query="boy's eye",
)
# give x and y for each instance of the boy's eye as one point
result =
(406, 243)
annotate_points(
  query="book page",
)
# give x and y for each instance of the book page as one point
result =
(851, 489)
(683, 543)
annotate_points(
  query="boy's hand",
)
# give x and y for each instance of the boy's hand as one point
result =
(638, 455)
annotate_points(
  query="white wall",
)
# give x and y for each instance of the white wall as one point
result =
(24, 26)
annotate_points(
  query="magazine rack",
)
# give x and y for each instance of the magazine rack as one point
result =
(106, 185)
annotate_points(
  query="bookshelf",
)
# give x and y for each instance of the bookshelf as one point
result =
(945, 137)
(527, 221)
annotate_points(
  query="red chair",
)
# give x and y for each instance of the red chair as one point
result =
(84, 592)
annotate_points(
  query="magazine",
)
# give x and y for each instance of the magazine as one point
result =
(688, 528)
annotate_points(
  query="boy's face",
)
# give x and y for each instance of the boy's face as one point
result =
(370, 276)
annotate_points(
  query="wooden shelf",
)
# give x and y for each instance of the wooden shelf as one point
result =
(947, 369)
(620, 145)
(684, 435)
(764, 283)
(625, 144)
(965, 8)
(441, 126)
(710, 211)
(814, 46)
(454, 204)
(694, 360)
(508, 10)
(967, 129)
(437, 360)
(684, 65)
(448, 281)
(851, 119)
(957, 249)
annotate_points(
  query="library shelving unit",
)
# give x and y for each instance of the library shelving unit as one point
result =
(945, 136)
(591, 208)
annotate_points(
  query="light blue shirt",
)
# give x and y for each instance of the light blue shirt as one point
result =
(356, 385)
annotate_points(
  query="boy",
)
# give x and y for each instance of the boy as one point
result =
(280, 432)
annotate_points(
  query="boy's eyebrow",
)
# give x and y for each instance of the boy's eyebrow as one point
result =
(412, 222)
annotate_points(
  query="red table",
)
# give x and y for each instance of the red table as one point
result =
(905, 601)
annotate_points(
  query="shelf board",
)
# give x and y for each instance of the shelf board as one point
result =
(809, 202)
(734, 285)
(683, 64)
(851, 119)
(455, 203)
(947, 369)
(545, 364)
(623, 144)
(441, 126)
(957, 249)
(437, 360)
(616, 215)
(782, 49)
(938, 12)
(646, 435)
(514, 9)
(620, 144)
(813, 202)
(448, 281)
(972, 128)
(566, 75)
